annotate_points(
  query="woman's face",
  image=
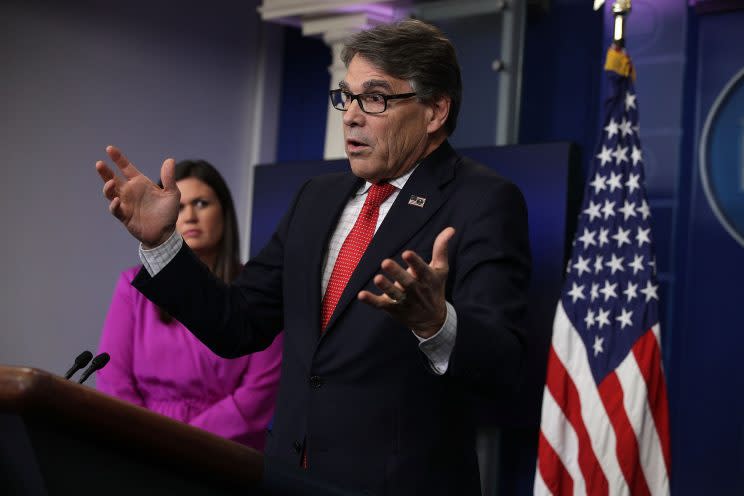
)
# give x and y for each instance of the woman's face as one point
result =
(199, 217)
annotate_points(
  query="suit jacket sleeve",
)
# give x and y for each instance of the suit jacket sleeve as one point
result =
(232, 320)
(490, 274)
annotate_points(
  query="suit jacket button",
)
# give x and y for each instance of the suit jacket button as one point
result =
(316, 382)
(297, 446)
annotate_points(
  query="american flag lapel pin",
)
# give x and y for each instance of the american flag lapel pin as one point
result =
(417, 201)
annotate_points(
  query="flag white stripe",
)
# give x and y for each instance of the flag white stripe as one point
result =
(560, 434)
(641, 419)
(657, 334)
(570, 350)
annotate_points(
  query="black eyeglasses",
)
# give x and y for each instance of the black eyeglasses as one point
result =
(370, 103)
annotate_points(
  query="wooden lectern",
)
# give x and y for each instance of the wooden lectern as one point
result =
(60, 438)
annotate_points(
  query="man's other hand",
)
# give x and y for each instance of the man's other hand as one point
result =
(415, 296)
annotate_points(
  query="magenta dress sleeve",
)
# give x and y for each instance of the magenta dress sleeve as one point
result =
(244, 415)
(117, 339)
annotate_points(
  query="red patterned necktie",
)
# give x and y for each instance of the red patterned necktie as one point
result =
(353, 248)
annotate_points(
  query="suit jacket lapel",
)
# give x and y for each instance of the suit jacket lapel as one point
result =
(330, 202)
(402, 221)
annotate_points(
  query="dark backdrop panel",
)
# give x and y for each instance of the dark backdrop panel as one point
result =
(274, 187)
(706, 379)
(550, 179)
(304, 97)
(561, 76)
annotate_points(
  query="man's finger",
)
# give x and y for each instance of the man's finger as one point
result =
(109, 189)
(416, 265)
(168, 174)
(394, 291)
(103, 171)
(440, 252)
(115, 210)
(125, 166)
(373, 299)
(397, 273)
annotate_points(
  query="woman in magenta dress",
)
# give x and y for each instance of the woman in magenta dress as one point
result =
(158, 364)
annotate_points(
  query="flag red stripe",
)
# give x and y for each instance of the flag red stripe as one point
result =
(554, 473)
(648, 356)
(563, 389)
(626, 446)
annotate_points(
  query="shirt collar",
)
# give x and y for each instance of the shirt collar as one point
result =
(398, 182)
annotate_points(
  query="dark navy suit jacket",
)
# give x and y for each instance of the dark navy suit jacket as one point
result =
(362, 395)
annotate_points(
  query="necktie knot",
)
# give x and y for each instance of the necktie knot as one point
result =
(377, 195)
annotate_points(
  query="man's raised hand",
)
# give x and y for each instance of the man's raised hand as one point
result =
(147, 211)
(415, 295)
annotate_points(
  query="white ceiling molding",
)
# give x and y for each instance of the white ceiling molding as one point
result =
(296, 12)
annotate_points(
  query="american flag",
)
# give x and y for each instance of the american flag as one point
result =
(605, 427)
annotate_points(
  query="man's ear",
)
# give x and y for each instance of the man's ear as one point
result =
(440, 108)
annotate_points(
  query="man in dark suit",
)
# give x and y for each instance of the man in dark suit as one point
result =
(400, 286)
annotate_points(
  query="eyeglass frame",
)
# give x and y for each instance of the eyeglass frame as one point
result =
(358, 96)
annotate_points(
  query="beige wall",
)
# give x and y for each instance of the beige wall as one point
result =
(74, 79)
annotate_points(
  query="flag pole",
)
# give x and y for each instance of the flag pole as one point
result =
(620, 9)
(617, 59)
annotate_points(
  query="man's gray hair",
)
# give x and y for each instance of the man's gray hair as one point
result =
(416, 52)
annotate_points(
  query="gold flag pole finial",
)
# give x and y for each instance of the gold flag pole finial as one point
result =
(620, 9)
(617, 59)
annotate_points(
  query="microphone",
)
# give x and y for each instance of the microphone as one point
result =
(97, 364)
(80, 362)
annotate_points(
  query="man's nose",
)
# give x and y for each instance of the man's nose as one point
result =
(354, 114)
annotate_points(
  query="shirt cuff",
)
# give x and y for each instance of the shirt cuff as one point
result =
(156, 259)
(438, 348)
